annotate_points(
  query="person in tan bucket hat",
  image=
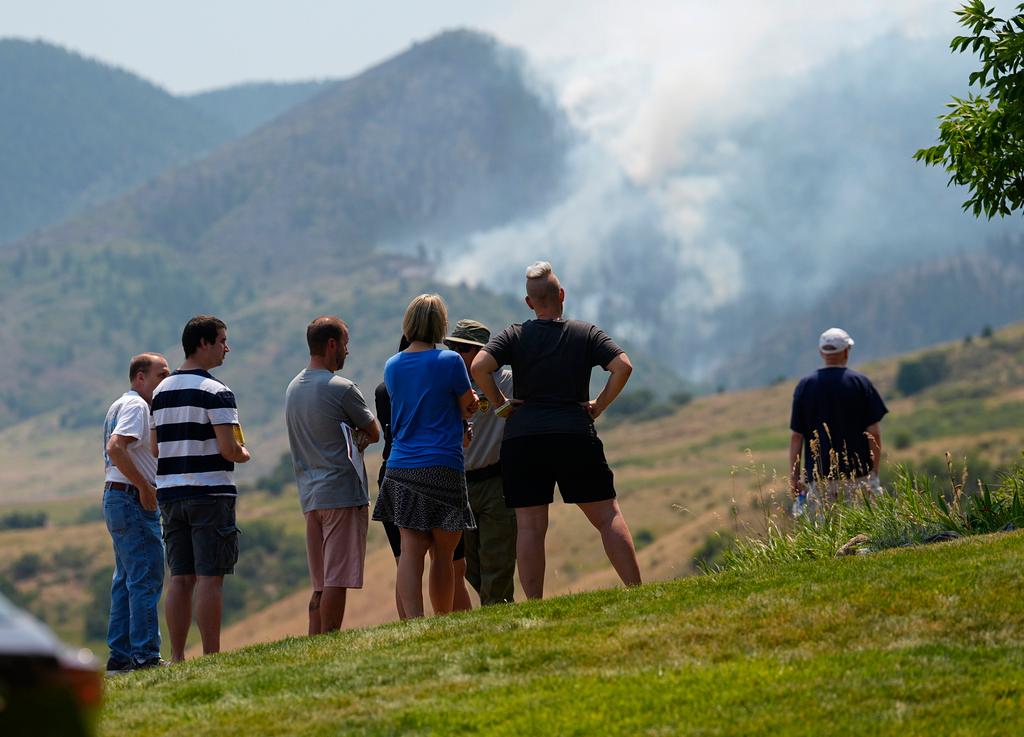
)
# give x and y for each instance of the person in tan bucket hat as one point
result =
(491, 548)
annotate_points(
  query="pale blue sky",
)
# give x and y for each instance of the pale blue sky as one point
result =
(190, 45)
(632, 75)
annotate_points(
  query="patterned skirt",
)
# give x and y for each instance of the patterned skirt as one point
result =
(425, 499)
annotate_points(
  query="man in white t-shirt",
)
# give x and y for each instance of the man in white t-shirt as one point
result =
(129, 508)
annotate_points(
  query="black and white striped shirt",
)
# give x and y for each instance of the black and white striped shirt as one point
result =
(186, 406)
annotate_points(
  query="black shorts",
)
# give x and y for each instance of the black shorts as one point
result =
(532, 465)
(395, 541)
(200, 535)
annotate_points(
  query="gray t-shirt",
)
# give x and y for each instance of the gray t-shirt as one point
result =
(488, 428)
(315, 404)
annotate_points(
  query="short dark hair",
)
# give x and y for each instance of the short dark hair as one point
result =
(321, 330)
(198, 329)
(141, 362)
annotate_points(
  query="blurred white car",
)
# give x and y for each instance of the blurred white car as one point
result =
(46, 687)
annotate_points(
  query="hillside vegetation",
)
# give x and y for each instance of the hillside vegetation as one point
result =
(955, 296)
(302, 217)
(354, 195)
(903, 642)
(75, 132)
(245, 107)
(454, 156)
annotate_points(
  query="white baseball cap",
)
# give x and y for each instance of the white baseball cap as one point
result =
(834, 340)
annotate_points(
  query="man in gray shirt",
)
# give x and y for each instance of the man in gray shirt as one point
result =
(491, 547)
(329, 426)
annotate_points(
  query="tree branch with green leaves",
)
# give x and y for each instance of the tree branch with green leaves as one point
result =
(981, 138)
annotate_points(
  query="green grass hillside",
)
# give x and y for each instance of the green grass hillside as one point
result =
(909, 642)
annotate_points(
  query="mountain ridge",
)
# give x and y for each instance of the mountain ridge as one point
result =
(246, 106)
(897, 311)
(77, 131)
(284, 224)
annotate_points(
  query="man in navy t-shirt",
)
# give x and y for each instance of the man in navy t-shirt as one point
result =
(835, 420)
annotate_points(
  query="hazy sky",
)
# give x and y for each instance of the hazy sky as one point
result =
(190, 45)
(629, 74)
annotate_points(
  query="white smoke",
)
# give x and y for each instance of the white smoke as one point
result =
(662, 199)
(616, 247)
(639, 77)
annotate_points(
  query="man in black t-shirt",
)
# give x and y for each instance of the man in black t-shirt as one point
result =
(550, 438)
(835, 420)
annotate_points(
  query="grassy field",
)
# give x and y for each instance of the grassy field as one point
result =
(716, 463)
(908, 642)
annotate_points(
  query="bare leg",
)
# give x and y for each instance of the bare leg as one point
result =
(461, 601)
(332, 608)
(441, 585)
(314, 613)
(398, 599)
(208, 611)
(178, 612)
(618, 543)
(410, 571)
(532, 524)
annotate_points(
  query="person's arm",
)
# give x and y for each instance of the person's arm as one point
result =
(875, 411)
(367, 435)
(483, 370)
(353, 407)
(117, 451)
(619, 369)
(228, 445)
(382, 403)
(461, 386)
(469, 404)
(154, 446)
(372, 431)
(874, 433)
(796, 445)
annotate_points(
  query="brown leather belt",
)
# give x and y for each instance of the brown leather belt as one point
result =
(118, 486)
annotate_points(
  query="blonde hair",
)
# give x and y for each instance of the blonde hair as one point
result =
(538, 270)
(542, 286)
(426, 319)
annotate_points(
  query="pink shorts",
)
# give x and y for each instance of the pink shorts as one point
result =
(336, 546)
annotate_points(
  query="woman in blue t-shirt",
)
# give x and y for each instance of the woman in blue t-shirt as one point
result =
(424, 489)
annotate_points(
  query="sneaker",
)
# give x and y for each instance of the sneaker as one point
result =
(157, 662)
(118, 667)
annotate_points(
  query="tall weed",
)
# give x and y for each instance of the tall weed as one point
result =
(912, 511)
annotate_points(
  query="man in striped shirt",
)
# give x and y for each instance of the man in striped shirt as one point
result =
(197, 441)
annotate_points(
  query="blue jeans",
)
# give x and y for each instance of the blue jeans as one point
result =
(134, 631)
